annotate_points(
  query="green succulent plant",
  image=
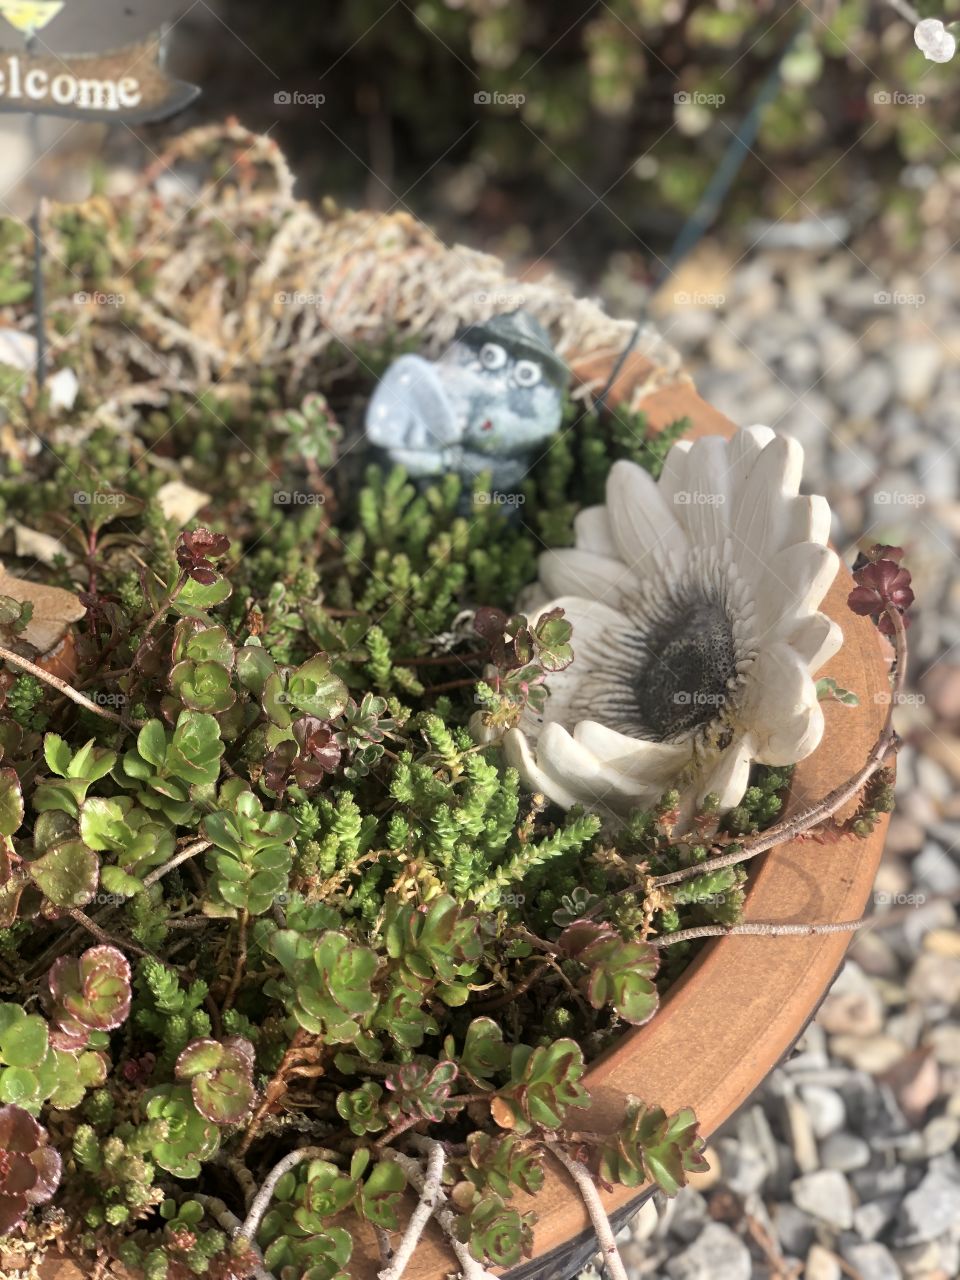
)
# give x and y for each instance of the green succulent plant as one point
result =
(252, 856)
(180, 1138)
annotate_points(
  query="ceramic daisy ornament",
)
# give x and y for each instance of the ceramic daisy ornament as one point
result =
(694, 603)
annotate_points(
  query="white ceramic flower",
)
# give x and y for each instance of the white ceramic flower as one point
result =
(694, 604)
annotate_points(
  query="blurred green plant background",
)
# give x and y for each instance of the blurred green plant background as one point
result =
(578, 128)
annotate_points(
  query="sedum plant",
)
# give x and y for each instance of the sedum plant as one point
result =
(293, 945)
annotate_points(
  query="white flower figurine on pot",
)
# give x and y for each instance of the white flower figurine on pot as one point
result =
(696, 631)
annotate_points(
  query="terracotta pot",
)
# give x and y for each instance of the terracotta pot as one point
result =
(739, 1008)
(741, 1005)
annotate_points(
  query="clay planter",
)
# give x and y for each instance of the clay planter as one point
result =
(742, 1004)
(739, 1008)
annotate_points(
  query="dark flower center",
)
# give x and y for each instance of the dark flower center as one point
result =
(678, 674)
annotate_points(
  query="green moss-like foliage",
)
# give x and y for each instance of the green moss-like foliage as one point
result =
(344, 917)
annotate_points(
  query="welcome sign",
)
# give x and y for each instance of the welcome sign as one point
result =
(128, 84)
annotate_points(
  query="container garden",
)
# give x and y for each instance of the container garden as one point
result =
(380, 285)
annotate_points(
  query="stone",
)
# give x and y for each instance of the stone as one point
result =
(845, 1152)
(932, 1208)
(825, 1108)
(940, 1135)
(940, 685)
(744, 1168)
(859, 1012)
(935, 979)
(873, 1054)
(867, 390)
(944, 1040)
(915, 1081)
(943, 942)
(803, 1142)
(870, 1184)
(645, 1223)
(903, 836)
(821, 1264)
(871, 1218)
(709, 1177)
(872, 1261)
(934, 870)
(718, 1254)
(920, 1260)
(795, 1229)
(689, 1215)
(826, 1196)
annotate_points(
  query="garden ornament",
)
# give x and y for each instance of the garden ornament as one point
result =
(490, 400)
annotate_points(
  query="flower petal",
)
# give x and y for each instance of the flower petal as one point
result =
(647, 535)
(584, 573)
(759, 521)
(655, 763)
(569, 774)
(729, 775)
(595, 628)
(703, 506)
(795, 582)
(593, 533)
(780, 707)
(816, 639)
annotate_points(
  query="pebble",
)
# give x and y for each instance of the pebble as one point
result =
(872, 1261)
(932, 1208)
(821, 1264)
(871, 1218)
(803, 1142)
(825, 1195)
(845, 1152)
(935, 979)
(874, 1054)
(795, 1229)
(825, 1108)
(744, 1167)
(719, 1254)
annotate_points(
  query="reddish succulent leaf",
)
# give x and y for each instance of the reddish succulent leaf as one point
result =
(221, 1077)
(29, 1169)
(91, 993)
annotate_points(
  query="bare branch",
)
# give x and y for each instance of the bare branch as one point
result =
(469, 1267)
(765, 929)
(603, 1228)
(7, 655)
(420, 1216)
(251, 1223)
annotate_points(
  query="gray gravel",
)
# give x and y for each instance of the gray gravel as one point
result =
(845, 1163)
